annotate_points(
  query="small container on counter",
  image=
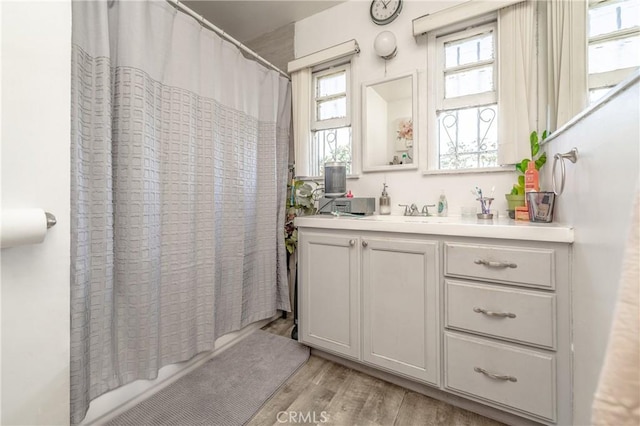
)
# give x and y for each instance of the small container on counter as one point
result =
(443, 205)
(385, 201)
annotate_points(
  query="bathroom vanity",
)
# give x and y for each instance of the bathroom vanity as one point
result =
(475, 309)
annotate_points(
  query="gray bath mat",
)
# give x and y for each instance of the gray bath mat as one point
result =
(226, 391)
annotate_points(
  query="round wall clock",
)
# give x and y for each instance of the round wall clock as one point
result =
(384, 12)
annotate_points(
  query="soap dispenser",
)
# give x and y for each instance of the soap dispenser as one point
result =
(385, 201)
(443, 206)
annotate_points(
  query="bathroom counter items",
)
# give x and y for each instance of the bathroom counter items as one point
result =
(451, 226)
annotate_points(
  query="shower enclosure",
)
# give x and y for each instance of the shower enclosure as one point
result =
(178, 183)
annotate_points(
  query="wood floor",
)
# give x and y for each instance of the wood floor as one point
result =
(322, 392)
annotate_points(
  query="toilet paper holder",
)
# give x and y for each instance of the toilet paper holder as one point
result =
(51, 219)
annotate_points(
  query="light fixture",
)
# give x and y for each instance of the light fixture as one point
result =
(385, 45)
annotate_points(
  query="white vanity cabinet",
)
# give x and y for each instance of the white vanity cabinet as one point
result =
(400, 306)
(389, 282)
(507, 330)
(329, 291)
(477, 310)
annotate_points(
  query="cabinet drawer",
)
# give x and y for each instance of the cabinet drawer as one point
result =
(515, 265)
(514, 377)
(507, 313)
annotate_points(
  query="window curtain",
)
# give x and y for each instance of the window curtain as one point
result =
(301, 84)
(567, 60)
(178, 184)
(517, 82)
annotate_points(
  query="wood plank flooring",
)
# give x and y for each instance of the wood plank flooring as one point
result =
(323, 392)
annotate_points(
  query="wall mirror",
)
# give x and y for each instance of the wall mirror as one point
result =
(389, 113)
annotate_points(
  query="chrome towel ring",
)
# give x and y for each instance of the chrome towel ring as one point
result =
(571, 156)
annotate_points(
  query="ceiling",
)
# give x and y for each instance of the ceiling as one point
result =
(246, 20)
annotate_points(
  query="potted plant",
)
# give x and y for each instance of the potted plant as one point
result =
(516, 197)
(299, 203)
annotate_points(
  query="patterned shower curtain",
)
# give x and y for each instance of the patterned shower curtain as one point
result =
(178, 183)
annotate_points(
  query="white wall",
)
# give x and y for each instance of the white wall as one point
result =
(597, 200)
(351, 20)
(36, 69)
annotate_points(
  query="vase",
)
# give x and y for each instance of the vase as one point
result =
(514, 201)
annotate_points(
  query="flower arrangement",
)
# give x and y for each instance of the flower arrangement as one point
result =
(405, 130)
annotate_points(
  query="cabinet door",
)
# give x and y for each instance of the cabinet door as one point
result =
(329, 296)
(400, 306)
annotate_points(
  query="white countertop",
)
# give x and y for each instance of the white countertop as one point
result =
(503, 228)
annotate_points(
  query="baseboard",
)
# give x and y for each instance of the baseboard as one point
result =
(113, 403)
(429, 391)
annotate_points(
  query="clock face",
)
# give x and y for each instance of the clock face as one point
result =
(385, 11)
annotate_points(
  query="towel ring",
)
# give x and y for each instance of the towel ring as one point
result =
(571, 156)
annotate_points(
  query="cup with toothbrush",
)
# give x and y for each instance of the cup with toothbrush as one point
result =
(485, 203)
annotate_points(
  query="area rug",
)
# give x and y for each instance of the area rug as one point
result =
(226, 391)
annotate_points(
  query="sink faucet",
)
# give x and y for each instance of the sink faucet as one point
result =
(411, 210)
(425, 209)
(406, 209)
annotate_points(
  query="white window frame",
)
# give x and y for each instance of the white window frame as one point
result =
(303, 103)
(316, 125)
(435, 88)
(332, 123)
(607, 79)
(478, 99)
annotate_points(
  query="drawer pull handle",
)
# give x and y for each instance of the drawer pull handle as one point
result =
(352, 243)
(494, 376)
(492, 264)
(494, 314)
(365, 244)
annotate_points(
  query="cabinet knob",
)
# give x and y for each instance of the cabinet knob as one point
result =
(352, 243)
(365, 244)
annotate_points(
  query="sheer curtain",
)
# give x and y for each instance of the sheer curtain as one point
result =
(178, 174)
(567, 60)
(518, 82)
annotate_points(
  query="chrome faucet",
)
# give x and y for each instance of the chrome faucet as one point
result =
(407, 212)
(412, 210)
(425, 209)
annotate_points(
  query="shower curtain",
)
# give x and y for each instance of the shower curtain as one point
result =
(178, 183)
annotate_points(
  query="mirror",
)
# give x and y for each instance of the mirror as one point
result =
(389, 115)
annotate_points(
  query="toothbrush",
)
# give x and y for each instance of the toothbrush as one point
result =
(482, 205)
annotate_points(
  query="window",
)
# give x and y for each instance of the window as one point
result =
(321, 104)
(331, 119)
(614, 43)
(466, 100)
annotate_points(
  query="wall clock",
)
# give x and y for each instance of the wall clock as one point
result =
(383, 12)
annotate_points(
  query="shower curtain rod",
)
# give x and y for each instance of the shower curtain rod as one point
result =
(205, 23)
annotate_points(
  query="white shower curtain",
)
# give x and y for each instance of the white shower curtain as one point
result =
(178, 175)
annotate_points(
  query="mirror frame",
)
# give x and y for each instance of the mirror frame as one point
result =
(366, 167)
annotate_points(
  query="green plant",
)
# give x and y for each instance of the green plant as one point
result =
(300, 202)
(539, 158)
